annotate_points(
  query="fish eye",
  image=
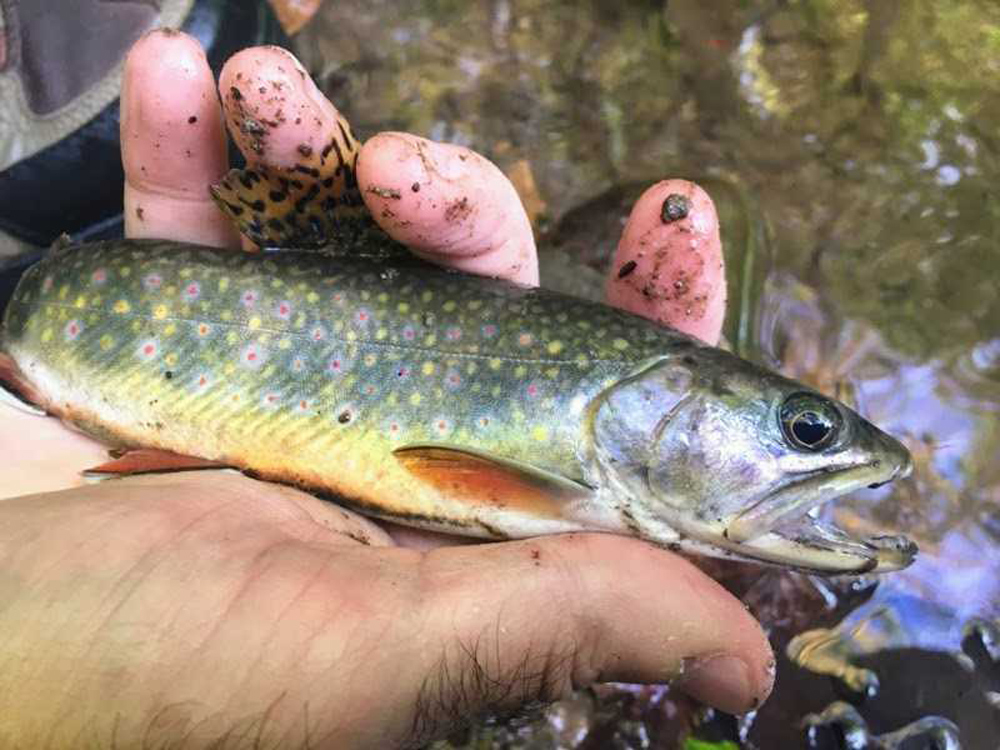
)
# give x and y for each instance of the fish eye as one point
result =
(809, 422)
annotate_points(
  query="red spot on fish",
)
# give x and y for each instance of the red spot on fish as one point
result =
(249, 298)
(362, 316)
(202, 381)
(409, 334)
(73, 329)
(453, 334)
(318, 334)
(152, 281)
(203, 329)
(284, 310)
(99, 276)
(147, 350)
(369, 390)
(524, 339)
(532, 390)
(489, 330)
(252, 356)
(192, 291)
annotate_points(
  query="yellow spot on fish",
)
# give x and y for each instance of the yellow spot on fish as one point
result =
(380, 334)
(449, 306)
(471, 368)
(185, 273)
(582, 360)
(366, 295)
(352, 336)
(277, 283)
(136, 325)
(555, 347)
(284, 344)
(267, 371)
(226, 315)
(620, 344)
(81, 301)
(122, 306)
(382, 297)
(312, 298)
(430, 340)
(392, 399)
(107, 342)
(232, 337)
(540, 433)
(495, 391)
(403, 307)
(370, 359)
(63, 291)
(125, 272)
(427, 368)
(160, 312)
(520, 371)
(475, 304)
(427, 296)
(169, 330)
(223, 283)
(495, 363)
(415, 399)
(552, 372)
(46, 335)
(254, 323)
(171, 359)
(229, 369)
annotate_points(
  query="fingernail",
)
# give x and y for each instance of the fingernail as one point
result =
(721, 681)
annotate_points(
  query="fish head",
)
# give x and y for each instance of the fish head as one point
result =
(735, 460)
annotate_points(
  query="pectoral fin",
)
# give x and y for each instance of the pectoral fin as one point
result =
(483, 479)
(150, 461)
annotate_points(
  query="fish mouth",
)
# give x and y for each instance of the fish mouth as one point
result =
(782, 526)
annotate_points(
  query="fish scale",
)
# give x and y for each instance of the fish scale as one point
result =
(243, 358)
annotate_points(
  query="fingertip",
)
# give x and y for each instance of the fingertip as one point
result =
(669, 266)
(274, 110)
(449, 204)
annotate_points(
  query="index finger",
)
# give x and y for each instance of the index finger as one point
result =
(173, 144)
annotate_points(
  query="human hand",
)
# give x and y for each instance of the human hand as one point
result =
(209, 605)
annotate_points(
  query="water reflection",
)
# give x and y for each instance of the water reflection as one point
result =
(851, 148)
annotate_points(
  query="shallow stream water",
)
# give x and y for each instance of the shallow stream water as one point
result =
(853, 152)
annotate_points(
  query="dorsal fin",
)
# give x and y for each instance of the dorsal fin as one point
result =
(314, 202)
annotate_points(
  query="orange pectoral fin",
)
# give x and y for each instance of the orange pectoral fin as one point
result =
(150, 461)
(480, 479)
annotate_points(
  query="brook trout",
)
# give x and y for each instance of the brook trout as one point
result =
(442, 400)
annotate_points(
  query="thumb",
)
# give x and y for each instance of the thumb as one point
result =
(518, 622)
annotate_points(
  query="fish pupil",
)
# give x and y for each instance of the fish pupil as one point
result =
(809, 422)
(810, 428)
